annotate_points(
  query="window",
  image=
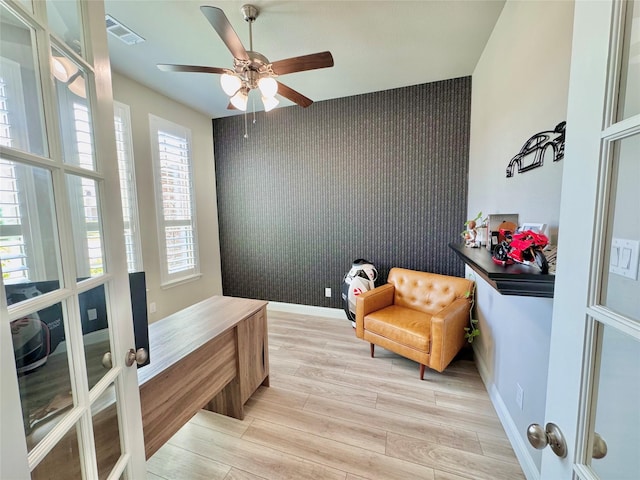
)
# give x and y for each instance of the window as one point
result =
(175, 203)
(128, 194)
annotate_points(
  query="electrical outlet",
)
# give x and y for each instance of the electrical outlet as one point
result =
(152, 307)
(92, 314)
(327, 292)
(519, 395)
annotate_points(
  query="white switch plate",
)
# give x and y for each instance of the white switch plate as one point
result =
(92, 313)
(152, 307)
(327, 292)
(623, 260)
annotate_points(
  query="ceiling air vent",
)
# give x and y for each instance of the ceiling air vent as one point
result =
(124, 34)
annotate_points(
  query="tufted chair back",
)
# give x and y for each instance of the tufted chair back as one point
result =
(426, 292)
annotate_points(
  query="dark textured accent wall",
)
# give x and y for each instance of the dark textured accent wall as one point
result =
(381, 176)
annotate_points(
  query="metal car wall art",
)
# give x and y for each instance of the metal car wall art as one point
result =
(532, 153)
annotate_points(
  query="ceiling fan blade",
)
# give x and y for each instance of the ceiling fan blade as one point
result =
(220, 24)
(190, 68)
(303, 63)
(294, 96)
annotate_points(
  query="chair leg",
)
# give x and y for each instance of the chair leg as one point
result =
(372, 347)
(421, 372)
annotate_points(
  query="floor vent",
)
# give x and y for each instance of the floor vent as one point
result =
(125, 34)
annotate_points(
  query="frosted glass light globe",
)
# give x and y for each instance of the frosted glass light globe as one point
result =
(230, 83)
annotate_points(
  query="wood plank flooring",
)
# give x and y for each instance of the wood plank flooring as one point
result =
(332, 412)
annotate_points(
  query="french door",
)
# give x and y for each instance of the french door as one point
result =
(69, 404)
(594, 375)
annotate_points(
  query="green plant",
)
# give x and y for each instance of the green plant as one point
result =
(474, 222)
(472, 331)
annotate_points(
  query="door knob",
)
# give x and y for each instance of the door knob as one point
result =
(138, 357)
(550, 435)
(106, 361)
(599, 446)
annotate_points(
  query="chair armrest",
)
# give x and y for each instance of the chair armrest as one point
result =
(447, 333)
(370, 301)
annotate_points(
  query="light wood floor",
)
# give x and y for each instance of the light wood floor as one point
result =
(332, 412)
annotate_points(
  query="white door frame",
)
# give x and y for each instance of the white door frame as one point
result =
(590, 126)
(14, 461)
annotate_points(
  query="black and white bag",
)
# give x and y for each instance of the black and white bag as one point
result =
(361, 278)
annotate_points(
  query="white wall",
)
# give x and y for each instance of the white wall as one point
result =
(520, 87)
(143, 101)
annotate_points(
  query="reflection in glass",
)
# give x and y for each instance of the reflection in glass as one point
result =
(63, 461)
(617, 416)
(64, 20)
(95, 331)
(74, 112)
(43, 370)
(629, 101)
(87, 225)
(106, 432)
(29, 249)
(620, 285)
(26, 4)
(21, 113)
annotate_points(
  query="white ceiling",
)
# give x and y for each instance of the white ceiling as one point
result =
(376, 45)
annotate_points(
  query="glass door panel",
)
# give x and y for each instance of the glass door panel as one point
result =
(629, 101)
(87, 226)
(617, 416)
(64, 20)
(74, 111)
(106, 432)
(40, 350)
(21, 113)
(620, 285)
(63, 461)
(95, 332)
(29, 247)
(26, 4)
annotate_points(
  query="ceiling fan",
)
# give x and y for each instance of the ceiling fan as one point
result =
(251, 69)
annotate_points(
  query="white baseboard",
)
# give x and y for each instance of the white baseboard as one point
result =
(307, 310)
(517, 442)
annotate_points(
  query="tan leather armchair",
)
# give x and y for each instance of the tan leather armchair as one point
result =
(418, 315)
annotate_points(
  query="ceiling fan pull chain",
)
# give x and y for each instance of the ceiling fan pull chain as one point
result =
(253, 102)
(246, 135)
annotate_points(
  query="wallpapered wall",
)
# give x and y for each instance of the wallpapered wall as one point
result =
(381, 176)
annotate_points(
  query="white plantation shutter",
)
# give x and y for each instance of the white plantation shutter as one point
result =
(13, 248)
(13, 253)
(88, 214)
(126, 169)
(175, 202)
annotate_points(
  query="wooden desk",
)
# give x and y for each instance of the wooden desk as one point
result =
(213, 355)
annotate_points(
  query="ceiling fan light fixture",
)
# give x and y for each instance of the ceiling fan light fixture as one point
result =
(78, 86)
(230, 83)
(270, 103)
(268, 86)
(240, 99)
(63, 68)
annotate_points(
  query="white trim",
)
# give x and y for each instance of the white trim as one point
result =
(307, 310)
(520, 448)
(180, 281)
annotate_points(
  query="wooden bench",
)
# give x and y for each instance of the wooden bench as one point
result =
(212, 355)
